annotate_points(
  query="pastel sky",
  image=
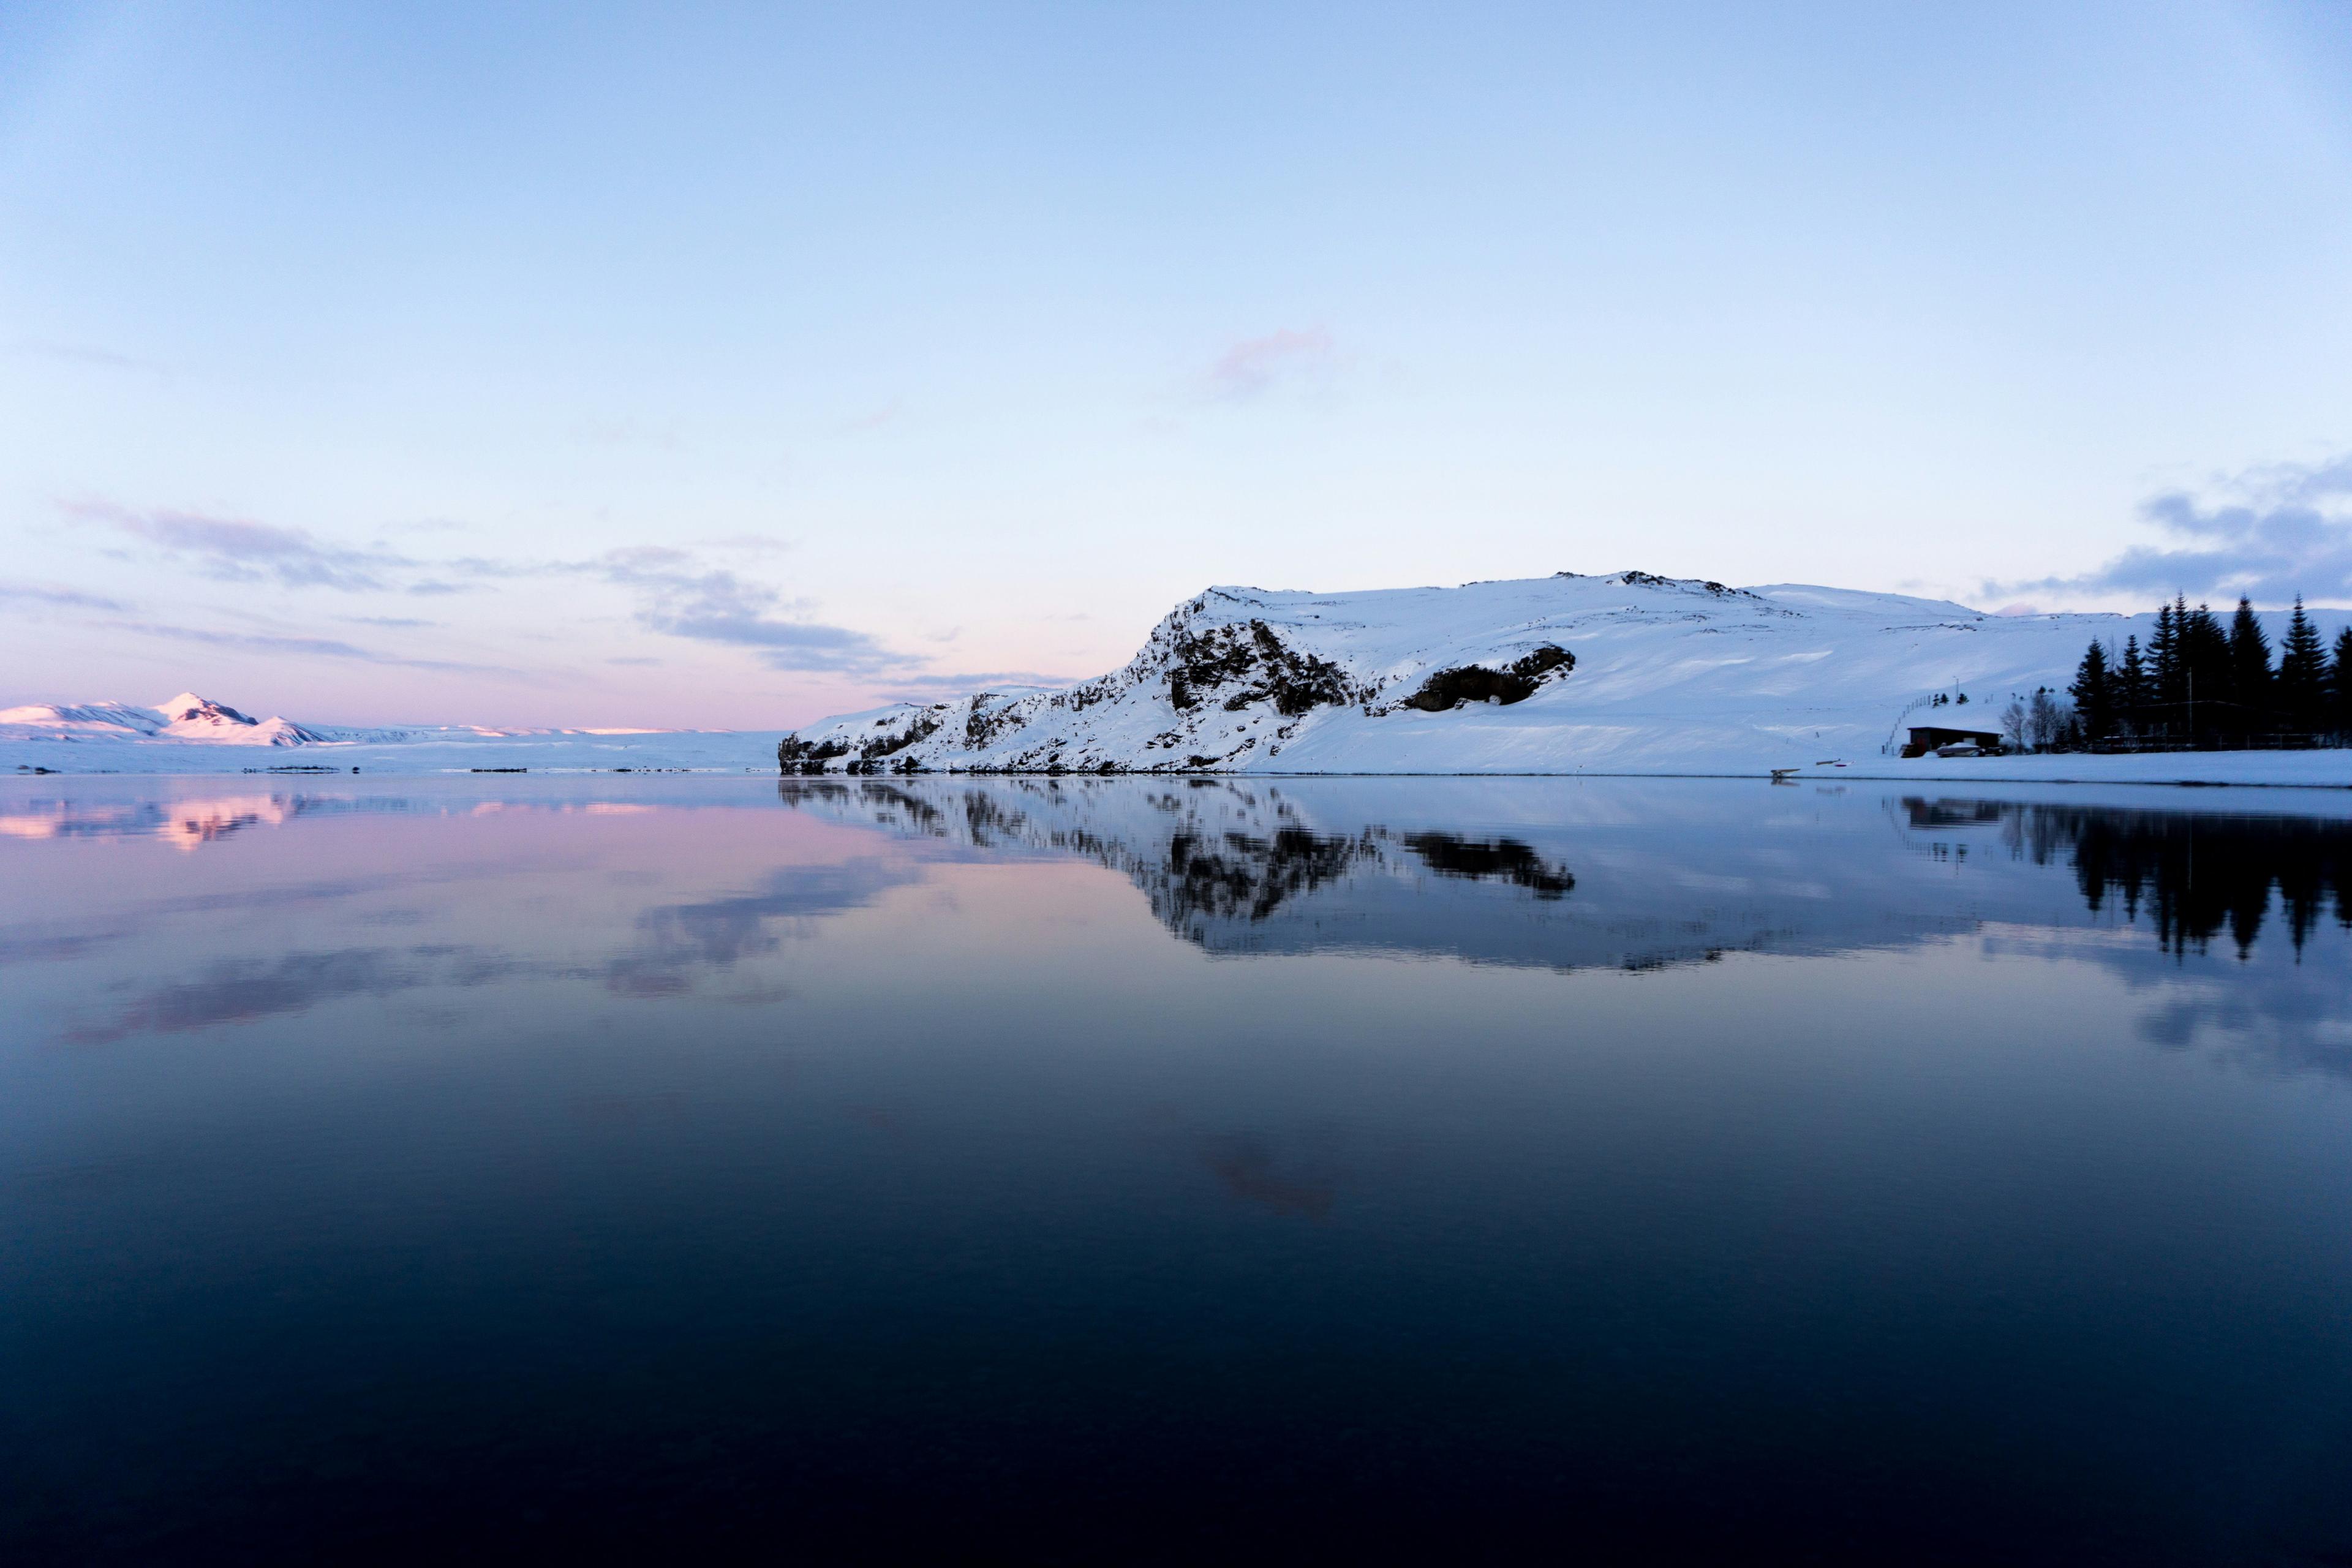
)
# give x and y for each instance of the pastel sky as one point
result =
(593, 364)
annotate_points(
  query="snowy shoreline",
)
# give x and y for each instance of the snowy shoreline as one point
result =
(2219, 769)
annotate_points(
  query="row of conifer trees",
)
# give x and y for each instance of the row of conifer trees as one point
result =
(2201, 683)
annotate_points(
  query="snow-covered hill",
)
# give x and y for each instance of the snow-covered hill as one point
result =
(1628, 673)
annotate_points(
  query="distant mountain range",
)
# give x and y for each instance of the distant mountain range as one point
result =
(1629, 673)
(189, 716)
(186, 717)
(190, 733)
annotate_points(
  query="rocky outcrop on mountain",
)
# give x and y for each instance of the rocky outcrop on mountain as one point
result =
(1515, 682)
(1232, 675)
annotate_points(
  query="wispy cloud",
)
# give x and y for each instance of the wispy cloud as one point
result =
(674, 592)
(1255, 365)
(84, 355)
(490, 567)
(2268, 533)
(306, 648)
(678, 598)
(64, 598)
(235, 549)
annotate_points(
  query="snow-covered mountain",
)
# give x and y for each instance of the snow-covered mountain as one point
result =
(1625, 673)
(186, 717)
(190, 733)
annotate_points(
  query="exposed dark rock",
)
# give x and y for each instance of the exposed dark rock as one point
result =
(921, 729)
(1651, 580)
(1516, 682)
(795, 755)
(1543, 661)
(1078, 699)
(1209, 659)
(981, 728)
(1268, 668)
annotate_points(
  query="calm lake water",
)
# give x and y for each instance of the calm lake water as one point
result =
(1134, 1169)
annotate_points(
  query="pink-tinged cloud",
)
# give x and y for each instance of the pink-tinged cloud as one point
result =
(874, 420)
(52, 593)
(238, 551)
(1256, 364)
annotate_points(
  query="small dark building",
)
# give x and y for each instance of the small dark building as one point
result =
(1926, 738)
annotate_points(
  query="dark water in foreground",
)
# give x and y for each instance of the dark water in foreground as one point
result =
(1128, 1171)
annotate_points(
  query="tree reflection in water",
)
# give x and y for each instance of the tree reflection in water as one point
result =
(2193, 873)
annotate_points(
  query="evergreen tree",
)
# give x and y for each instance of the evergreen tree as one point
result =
(2303, 675)
(2131, 689)
(2339, 679)
(2094, 694)
(2249, 675)
(2204, 670)
(2165, 670)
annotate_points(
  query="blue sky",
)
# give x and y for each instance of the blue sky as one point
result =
(609, 365)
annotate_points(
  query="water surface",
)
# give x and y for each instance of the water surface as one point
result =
(1134, 1169)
